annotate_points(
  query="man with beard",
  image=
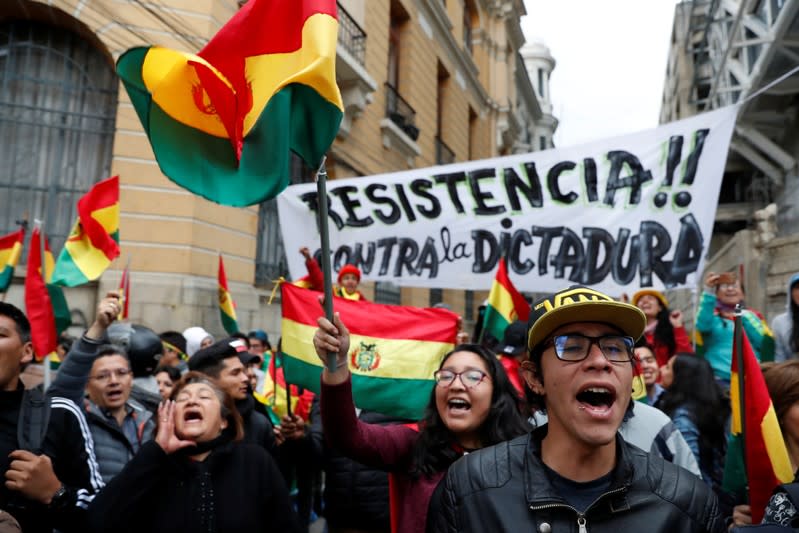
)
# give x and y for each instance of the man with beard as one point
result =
(222, 364)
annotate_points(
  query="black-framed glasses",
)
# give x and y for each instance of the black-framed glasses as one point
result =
(470, 378)
(575, 347)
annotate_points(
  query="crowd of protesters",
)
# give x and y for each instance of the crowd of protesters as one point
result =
(535, 431)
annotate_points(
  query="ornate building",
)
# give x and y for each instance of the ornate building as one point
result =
(424, 82)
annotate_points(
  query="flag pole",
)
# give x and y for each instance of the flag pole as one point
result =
(321, 200)
(739, 359)
(286, 381)
(43, 261)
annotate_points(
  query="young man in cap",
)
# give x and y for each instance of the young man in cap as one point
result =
(348, 278)
(576, 473)
(222, 364)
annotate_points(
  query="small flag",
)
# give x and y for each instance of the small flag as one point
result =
(505, 304)
(94, 240)
(124, 291)
(394, 350)
(274, 393)
(763, 448)
(227, 307)
(10, 252)
(45, 304)
(222, 123)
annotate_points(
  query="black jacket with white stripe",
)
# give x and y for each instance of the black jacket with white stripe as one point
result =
(68, 443)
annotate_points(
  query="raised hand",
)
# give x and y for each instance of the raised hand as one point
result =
(675, 317)
(107, 311)
(166, 437)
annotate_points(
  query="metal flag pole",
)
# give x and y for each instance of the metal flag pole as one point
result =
(739, 360)
(321, 200)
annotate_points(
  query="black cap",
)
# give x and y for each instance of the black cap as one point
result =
(582, 304)
(143, 346)
(514, 340)
(214, 354)
(248, 358)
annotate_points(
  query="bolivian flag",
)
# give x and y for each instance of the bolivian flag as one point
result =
(505, 304)
(227, 308)
(394, 350)
(222, 123)
(763, 448)
(277, 396)
(45, 304)
(94, 240)
(10, 251)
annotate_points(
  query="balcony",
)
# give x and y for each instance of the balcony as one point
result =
(444, 154)
(351, 36)
(354, 82)
(399, 127)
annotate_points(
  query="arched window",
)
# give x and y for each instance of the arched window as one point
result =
(58, 104)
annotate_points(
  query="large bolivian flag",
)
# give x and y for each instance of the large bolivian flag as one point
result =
(222, 123)
(505, 304)
(761, 449)
(94, 240)
(10, 252)
(394, 350)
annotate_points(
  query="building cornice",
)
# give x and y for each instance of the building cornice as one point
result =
(439, 28)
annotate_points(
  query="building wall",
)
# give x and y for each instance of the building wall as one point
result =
(172, 238)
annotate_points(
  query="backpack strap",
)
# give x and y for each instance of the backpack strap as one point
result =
(34, 416)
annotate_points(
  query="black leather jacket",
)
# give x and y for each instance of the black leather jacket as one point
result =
(505, 488)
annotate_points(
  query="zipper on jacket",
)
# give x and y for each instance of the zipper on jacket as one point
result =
(581, 520)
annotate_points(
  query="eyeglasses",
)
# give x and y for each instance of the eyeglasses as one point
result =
(575, 347)
(106, 375)
(470, 378)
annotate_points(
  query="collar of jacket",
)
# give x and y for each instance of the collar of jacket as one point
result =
(538, 488)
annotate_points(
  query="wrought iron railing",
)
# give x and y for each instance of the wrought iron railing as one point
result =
(400, 112)
(351, 35)
(444, 154)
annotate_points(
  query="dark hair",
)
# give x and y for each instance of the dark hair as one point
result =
(695, 389)
(175, 338)
(664, 331)
(434, 452)
(20, 320)
(171, 371)
(107, 350)
(235, 426)
(794, 315)
(782, 381)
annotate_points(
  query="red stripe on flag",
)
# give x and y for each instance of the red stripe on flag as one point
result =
(519, 302)
(8, 241)
(103, 194)
(38, 306)
(371, 319)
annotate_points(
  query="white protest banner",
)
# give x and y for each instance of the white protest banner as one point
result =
(618, 214)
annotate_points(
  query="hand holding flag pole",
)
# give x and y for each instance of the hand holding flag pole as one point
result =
(738, 332)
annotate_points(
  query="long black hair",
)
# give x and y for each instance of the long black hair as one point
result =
(794, 319)
(664, 331)
(435, 448)
(694, 388)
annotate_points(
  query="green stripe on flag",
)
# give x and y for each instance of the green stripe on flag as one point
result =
(67, 273)
(5, 278)
(494, 323)
(63, 317)
(229, 323)
(369, 392)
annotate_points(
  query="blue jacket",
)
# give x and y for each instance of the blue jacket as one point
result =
(717, 336)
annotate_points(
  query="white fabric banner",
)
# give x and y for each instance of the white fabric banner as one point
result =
(618, 214)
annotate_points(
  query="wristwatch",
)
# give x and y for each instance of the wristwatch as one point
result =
(58, 497)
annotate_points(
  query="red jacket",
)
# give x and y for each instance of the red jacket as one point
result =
(681, 344)
(316, 281)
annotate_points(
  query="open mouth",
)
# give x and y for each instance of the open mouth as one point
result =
(597, 399)
(459, 404)
(192, 416)
(114, 395)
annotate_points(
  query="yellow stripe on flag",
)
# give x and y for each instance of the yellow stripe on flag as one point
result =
(775, 446)
(388, 358)
(175, 86)
(108, 217)
(10, 256)
(736, 427)
(501, 300)
(91, 261)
